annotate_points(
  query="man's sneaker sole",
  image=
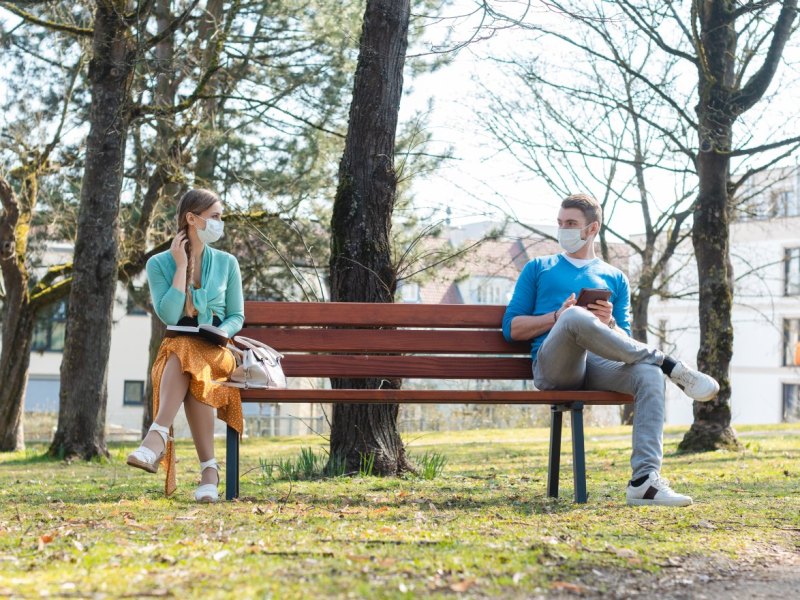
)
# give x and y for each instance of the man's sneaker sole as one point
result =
(703, 398)
(664, 502)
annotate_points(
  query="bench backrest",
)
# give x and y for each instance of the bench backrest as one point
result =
(429, 341)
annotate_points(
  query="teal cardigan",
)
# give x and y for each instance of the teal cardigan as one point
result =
(220, 292)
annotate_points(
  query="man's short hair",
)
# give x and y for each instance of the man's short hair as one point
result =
(587, 205)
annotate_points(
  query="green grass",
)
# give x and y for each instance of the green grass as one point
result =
(481, 526)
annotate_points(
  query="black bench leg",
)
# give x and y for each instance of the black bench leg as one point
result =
(555, 451)
(232, 465)
(578, 453)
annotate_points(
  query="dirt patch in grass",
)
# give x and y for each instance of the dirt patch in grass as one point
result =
(765, 571)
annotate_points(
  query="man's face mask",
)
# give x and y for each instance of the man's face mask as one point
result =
(570, 239)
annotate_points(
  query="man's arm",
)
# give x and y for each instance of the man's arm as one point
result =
(527, 327)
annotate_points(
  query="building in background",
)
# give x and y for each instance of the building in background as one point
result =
(765, 253)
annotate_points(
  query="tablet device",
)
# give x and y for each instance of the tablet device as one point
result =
(591, 295)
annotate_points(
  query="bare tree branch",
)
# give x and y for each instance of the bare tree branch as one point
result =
(754, 89)
(62, 27)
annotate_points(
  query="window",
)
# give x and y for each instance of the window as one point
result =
(791, 337)
(791, 403)
(409, 292)
(133, 394)
(792, 271)
(50, 328)
(783, 204)
(490, 290)
(487, 293)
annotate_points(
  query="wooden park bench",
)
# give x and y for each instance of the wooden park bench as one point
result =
(428, 341)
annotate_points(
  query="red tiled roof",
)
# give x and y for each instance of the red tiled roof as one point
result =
(502, 257)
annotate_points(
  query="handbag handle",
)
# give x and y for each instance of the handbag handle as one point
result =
(237, 353)
(266, 352)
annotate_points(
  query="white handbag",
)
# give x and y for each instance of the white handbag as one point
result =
(257, 366)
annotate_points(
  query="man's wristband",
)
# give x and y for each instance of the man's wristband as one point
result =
(555, 316)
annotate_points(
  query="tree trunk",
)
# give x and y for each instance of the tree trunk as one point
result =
(361, 268)
(207, 146)
(711, 428)
(18, 322)
(157, 330)
(18, 319)
(639, 309)
(84, 368)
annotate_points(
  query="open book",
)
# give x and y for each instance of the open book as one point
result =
(215, 335)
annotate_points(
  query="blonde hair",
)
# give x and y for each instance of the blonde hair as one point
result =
(195, 202)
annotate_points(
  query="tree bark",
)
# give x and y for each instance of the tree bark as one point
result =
(360, 264)
(207, 147)
(17, 319)
(640, 305)
(157, 330)
(84, 368)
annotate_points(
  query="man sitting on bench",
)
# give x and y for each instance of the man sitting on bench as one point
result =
(575, 347)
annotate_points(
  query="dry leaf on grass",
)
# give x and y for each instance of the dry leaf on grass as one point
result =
(464, 585)
(190, 516)
(566, 586)
(621, 552)
(359, 558)
(45, 539)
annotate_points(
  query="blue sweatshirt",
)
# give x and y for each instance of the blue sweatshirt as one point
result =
(220, 292)
(547, 281)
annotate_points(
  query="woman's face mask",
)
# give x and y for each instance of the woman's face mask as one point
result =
(213, 231)
(570, 239)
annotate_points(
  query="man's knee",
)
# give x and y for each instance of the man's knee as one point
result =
(575, 315)
(647, 376)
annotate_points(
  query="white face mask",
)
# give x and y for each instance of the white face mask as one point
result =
(212, 232)
(570, 239)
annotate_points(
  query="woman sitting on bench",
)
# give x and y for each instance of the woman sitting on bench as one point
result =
(193, 284)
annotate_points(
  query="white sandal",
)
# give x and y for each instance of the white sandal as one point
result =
(208, 492)
(143, 457)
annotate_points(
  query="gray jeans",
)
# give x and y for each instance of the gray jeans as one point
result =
(581, 352)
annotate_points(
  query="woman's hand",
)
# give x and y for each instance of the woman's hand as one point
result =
(602, 309)
(178, 250)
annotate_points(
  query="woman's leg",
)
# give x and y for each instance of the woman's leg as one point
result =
(172, 391)
(201, 423)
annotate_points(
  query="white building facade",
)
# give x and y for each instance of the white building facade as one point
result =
(765, 254)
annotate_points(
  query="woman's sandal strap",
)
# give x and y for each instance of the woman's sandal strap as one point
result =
(210, 463)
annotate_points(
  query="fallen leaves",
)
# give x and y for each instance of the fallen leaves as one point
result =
(45, 539)
(565, 586)
(464, 585)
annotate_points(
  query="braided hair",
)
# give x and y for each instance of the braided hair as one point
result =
(195, 202)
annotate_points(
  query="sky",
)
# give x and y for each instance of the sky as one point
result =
(483, 181)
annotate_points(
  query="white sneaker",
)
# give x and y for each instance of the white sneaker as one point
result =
(696, 385)
(655, 491)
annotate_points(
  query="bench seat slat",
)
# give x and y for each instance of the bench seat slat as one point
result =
(436, 396)
(355, 314)
(386, 340)
(424, 367)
